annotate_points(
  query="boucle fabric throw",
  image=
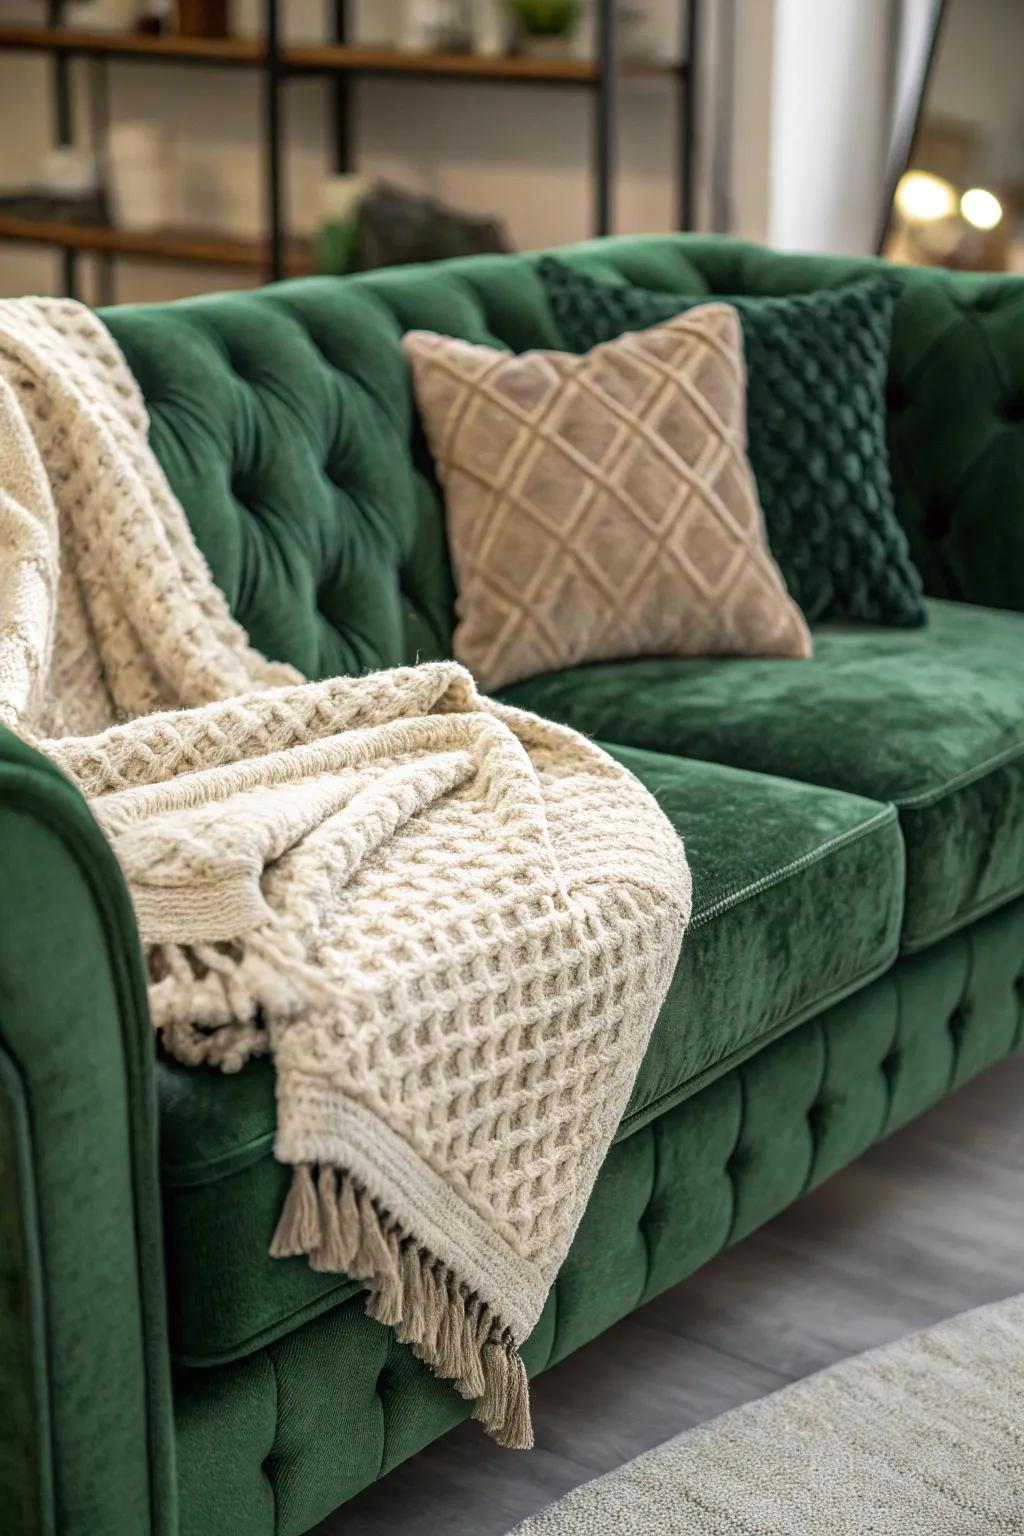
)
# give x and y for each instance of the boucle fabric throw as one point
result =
(602, 507)
(451, 923)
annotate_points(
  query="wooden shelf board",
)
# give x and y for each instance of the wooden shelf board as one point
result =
(320, 58)
(202, 248)
(213, 50)
(177, 245)
(349, 59)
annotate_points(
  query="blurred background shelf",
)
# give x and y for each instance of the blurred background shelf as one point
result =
(326, 58)
(342, 63)
(320, 58)
(173, 47)
(198, 247)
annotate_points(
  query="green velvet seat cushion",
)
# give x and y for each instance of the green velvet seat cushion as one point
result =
(799, 896)
(816, 423)
(931, 720)
(270, 1444)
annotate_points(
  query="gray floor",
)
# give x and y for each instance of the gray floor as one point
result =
(926, 1225)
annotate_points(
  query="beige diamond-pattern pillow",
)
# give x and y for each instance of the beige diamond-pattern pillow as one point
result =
(602, 506)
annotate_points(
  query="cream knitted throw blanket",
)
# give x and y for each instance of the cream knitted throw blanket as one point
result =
(451, 923)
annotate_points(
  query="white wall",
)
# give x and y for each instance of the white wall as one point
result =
(831, 102)
(753, 95)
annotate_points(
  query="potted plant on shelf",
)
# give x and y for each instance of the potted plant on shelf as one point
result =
(547, 27)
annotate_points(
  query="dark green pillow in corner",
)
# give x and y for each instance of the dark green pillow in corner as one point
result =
(816, 373)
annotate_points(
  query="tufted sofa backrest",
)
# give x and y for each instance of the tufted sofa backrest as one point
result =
(285, 423)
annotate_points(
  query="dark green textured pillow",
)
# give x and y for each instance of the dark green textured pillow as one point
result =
(816, 372)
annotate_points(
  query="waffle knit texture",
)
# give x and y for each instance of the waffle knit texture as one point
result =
(450, 922)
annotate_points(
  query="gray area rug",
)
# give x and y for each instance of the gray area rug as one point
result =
(924, 1437)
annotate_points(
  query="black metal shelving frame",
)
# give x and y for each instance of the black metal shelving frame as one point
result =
(342, 66)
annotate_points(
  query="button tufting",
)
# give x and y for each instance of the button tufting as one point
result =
(891, 1062)
(938, 516)
(895, 397)
(816, 1117)
(958, 1018)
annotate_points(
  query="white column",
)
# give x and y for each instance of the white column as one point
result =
(832, 79)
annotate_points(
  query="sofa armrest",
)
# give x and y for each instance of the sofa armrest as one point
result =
(86, 1438)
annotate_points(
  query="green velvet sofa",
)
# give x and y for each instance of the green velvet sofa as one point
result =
(855, 826)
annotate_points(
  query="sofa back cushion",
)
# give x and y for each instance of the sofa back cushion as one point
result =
(955, 407)
(285, 423)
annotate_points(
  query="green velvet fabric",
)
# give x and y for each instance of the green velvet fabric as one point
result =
(26, 1485)
(284, 420)
(798, 900)
(816, 427)
(285, 423)
(274, 1442)
(83, 1274)
(931, 720)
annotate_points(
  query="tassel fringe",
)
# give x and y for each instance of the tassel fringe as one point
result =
(337, 1224)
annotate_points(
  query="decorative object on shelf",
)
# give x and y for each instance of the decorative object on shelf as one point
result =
(31, 205)
(640, 36)
(547, 28)
(203, 18)
(389, 226)
(105, 15)
(434, 26)
(490, 28)
(341, 197)
(70, 174)
(157, 17)
(68, 189)
(138, 175)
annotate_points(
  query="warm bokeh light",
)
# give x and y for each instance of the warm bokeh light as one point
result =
(924, 197)
(981, 208)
